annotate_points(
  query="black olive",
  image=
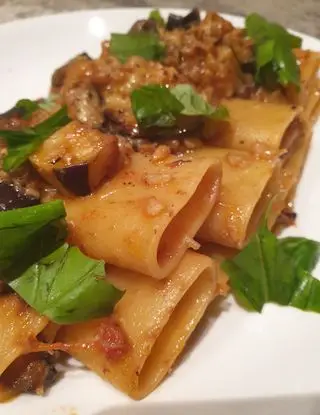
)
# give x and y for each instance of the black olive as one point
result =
(75, 178)
(14, 197)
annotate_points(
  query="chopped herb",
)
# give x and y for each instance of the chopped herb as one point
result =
(159, 106)
(275, 60)
(146, 45)
(277, 271)
(55, 279)
(156, 16)
(22, 143)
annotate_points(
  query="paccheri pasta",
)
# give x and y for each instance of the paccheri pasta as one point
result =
(147, 210)
(181, 136)
(179, 302)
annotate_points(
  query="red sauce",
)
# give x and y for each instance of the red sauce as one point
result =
(112, 339)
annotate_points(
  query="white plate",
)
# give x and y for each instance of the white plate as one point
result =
(243, 364)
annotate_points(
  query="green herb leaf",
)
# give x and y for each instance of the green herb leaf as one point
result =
(147, 45)
(54, 278)
(67, 287)
(273, 51)
(195, 105)
(27, 106)
(256, 27)
(307, 294)
(156, 16)
(29, 234)
(21, 144)
(155, 105)
(305, 253)
(158, 106)
(272, 270)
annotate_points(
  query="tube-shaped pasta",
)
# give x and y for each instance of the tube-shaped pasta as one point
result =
(145, 218)
(257, 126)
(248, 185)
(291, 173)
(312, 108)
(309, 95)
(158, 317)
(19, 326)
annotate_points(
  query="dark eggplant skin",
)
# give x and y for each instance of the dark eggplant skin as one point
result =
(144, 26)
(13, 112)
(59, 74)
(180, 22)
(13, 197)
(75, 178)
(191, 18)
(31, 372)
(174, 22)
(249, 67)
(84, 104)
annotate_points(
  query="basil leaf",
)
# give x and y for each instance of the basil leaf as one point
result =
(155, 105)
(287, 67)
(265, 53)
(273, 52)
(67, 287)
(146, 45)
(156, 16)
(303, 252)
(21, 144)
(195, 105)
(307, 294)
(29, 234)
(256, 27)
(271, 270)
(52, 277)
(159, 106)
(27, 107)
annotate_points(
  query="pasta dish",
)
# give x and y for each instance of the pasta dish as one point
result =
(150, 182)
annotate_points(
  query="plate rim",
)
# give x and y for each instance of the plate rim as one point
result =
(11, 25)
(69, 13)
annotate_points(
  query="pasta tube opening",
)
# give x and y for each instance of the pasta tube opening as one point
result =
(247, 186)
(175, 334)
(150, 212)
(178, 235)
(291, 137)
(157, 318)
(272, 192)
(257, 127)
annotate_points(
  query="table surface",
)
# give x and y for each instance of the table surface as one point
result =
(300, 15)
